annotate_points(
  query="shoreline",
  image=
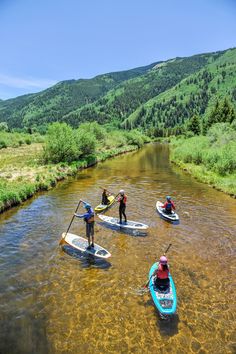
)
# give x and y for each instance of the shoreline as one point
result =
(46, 177)
(213, 180)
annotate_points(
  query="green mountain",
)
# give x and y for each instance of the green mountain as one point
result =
(120, 102)
(160, 95)
(194, 95)
(52, 104)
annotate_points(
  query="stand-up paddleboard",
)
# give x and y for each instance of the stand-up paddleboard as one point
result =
(81, 244)
(171, 217)
(102, 207)
(131, 225)
(164, 300)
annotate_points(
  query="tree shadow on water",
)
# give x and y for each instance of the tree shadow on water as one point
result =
(86, 260)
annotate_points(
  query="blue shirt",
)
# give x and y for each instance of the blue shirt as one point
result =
(86, 216)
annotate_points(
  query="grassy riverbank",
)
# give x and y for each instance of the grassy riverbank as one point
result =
(27, 169)
(210, 159)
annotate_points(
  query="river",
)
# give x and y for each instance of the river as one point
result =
(53, 301)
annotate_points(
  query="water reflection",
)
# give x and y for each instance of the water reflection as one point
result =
(86, 260)
(136, 233)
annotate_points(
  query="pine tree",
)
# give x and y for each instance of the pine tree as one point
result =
(194, 125)
(214, 116)
(222, 112)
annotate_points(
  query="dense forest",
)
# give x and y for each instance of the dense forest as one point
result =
(52, 104)
(161, 99)
(167, 113)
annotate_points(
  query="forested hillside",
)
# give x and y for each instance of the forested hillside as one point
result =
(158, 98)
(52, 104)
(119, 103)
(195, 95)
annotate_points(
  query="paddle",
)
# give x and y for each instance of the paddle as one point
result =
(106, 190)
(61, 241)
(147, 284)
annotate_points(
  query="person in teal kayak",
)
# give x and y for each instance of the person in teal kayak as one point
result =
(169, 205)
(162, 274)
(89, 220)
(105, 200)
(122, 199)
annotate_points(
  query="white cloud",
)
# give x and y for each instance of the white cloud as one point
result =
(25, 83)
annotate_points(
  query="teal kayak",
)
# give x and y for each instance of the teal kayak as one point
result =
(165, 301)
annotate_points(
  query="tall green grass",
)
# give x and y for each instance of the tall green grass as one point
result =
(14, 140)
(214, 153)
(66, 150)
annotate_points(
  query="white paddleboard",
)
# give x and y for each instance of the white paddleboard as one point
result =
(172, 217)
(81, 244)
(133, 225)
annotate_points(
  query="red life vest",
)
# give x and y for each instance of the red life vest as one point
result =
(123, 199)
(162, 274)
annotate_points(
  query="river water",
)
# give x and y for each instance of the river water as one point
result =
(53, 301)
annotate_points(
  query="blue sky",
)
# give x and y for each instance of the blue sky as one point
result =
(46, 41)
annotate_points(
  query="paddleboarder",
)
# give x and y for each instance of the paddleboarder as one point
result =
(105, 200)
(162, 273)
(89, 220)
(122, 199)
(169, 205)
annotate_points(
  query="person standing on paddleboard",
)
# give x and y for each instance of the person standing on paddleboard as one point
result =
(169, 205)
(122, 199)
(89, 220)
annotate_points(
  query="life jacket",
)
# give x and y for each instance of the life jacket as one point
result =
(162, 274)
(169, 206)
(123, 200)
(90, 218)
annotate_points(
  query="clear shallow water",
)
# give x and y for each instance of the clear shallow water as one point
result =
(62, 302)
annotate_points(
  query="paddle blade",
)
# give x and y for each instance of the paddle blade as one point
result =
(62, 240)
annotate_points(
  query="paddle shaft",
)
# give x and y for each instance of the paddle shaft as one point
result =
(106, 190)
(168, 248)
(146, 285)
(72, 219)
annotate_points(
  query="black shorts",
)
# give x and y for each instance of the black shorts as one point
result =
(162, 282)
(90, 229)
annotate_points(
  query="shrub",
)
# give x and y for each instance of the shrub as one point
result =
(86, 142)
(216, 151)
(134, 137)
(61, 144)
(222, 133)
(28, 141)
(226, 163)
(3, 144)
(94, 129)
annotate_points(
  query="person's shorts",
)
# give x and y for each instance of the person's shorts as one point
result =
(90, 229)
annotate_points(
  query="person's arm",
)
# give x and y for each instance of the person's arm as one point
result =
(81, 215)
(164, 205)
(173, 206)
